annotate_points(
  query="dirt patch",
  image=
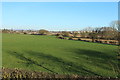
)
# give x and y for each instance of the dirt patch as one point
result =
(30, 75)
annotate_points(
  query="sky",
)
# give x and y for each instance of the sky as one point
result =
(58, 15)
(60, 0)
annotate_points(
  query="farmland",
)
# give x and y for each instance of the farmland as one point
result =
(49, 54)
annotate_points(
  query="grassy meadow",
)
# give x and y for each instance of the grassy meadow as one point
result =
(49, 54)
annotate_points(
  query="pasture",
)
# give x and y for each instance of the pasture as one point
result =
(49, 54)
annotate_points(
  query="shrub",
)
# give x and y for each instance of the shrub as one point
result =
(79, 39)
(70, 38)
(43, 32)
(65, 34)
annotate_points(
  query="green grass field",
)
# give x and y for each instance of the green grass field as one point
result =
(49, 54)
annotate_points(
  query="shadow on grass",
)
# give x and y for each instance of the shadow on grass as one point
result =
(29, 61)
(66, 66)
(92, 53)
(96, 55)
(99, 59)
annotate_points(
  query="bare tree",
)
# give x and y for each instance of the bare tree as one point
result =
(93, 36)
(75, 34)
(108, 32)
(116, 25)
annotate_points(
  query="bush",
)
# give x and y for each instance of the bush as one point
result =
(70, 38)
(79, 39)
(57, 34)
(75, 34)
(60, 37)
(65, 34)
(43, 32)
